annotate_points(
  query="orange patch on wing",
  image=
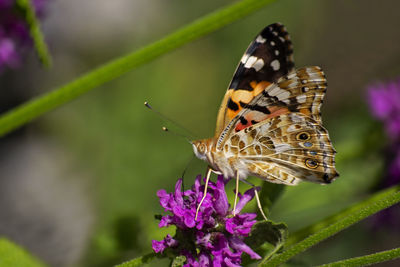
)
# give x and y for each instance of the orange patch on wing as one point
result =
(305, 111)
(231, 113)
(259, 87)
(246, 97)
(242, 96)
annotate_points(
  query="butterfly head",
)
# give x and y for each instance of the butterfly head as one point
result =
(202, 148)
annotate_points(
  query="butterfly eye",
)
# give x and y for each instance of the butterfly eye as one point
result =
(304, 136)
(312, 164)
(202, 148)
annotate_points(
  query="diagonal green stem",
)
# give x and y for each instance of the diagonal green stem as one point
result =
(109, 71)
(308, 230)
(368, 259)
(384, 201)
(35, 32)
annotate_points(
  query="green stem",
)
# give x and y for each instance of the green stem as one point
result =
(35, 32)
(383, 201)
(368, 259)
(311, 229)
(109, 71)
(138, 261)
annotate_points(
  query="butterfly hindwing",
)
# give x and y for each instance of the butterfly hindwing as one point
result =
(268, 57)
(285, 149)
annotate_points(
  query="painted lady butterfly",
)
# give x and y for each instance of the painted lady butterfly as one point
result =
(269, 123)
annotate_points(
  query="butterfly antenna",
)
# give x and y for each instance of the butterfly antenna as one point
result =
(162, 116)
(165, 129)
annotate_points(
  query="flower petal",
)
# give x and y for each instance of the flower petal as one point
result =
(243, 200)
(158, 246)
(238, 244)
(221, 204)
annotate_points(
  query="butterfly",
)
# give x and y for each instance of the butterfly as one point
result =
(269, 122)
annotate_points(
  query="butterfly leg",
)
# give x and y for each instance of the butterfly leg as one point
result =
(259, 204)
(257, 199)
(205, 192)
(236, 194)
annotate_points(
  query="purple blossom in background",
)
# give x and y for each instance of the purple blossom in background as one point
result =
(216, 237)
(384, 102)
(14, 32)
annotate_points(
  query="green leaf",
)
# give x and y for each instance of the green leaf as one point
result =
(35, 32)
(13, 255)
(139, 261)
(383, 201)
(267, 231)
(178, 261)
(368, 259)
(109, 71)
(264, 233)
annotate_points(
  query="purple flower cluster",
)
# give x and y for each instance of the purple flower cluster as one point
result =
(14, 32)
(216, 237)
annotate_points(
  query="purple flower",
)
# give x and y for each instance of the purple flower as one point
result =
(384, 101)
(216, 237)
(14, 32)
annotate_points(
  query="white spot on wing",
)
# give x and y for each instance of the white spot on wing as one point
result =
(276, 52)
(282, 39)
(260, 39)
(254, 62)
(258, 64)
(301, 98)
(315, 108)
(244, 58)
(291, 128)
(283, 94)
(274, 91)
(275, 65)
(250, 61)
(272, 43)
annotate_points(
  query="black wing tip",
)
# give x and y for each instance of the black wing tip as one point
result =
(277, 26)
(330, 178)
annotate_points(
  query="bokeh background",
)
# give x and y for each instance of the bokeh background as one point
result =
(78, 186)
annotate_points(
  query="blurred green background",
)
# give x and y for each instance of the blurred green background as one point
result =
(78, 186)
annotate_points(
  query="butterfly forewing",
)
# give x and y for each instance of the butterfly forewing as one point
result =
(301, 91)
(268, 57)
